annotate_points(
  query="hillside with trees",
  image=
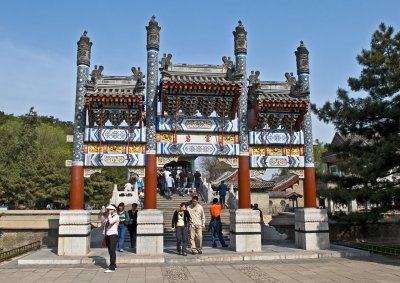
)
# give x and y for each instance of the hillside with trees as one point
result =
(33, 150)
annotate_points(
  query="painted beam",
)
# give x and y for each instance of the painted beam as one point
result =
(277, 150)
(196, 149)
(115, 135)
(197, 137)
(183, 124)
(114, 160)
(105, 148)
(276, 161)
(277, 137)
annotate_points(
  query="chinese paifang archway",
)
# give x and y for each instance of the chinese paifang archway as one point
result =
(193, 110)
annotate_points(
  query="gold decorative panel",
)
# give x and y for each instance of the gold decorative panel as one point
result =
(166, 137)
(115, 148)
(135, 148)
(94, 148)
(277, 150)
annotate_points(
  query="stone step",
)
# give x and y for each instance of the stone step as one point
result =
(168, 208)
(170, 236)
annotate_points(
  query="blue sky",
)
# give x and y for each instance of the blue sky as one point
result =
(38, 42)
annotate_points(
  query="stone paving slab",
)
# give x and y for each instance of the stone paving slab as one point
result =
(269, 252)
(357, 269)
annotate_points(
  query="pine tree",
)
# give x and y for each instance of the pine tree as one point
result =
(369, 118)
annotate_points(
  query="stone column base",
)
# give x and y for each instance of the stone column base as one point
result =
(311, 229)
(150, 232)
(245, 230)
(74, 233)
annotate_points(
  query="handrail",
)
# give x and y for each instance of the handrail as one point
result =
(202, 190)
(19, 251)
(372, 248)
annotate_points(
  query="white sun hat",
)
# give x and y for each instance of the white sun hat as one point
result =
(110, 206)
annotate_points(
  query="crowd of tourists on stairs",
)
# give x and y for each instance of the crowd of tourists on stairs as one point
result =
(174, 181)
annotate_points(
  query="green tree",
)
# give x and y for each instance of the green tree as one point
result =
(99, 187)
(370, 120)
(213, 168)
(18, 157)
(319, 149)
(52, 178)
(32, 160)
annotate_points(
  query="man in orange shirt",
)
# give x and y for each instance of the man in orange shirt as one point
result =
(215, 224)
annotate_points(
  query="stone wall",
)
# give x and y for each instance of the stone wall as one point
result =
(15, 238)
(262, 198)
(21, 227)
(387, 230)
(373, 232)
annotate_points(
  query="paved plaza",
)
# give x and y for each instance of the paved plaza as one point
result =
(363, 269)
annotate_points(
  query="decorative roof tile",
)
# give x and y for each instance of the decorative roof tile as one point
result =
(231, 179)
(115, 86)
(275, 92)
(197, 74)
(281, 183)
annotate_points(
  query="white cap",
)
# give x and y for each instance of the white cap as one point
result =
(110, 206)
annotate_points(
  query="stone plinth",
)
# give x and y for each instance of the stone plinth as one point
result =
(150, 232)
(74, 233)
(245, 230)
(311, 229)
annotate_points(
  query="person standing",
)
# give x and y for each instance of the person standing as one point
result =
(190, 180)
(141, 199)
(161, 181)
(132, 227)
(222, 189)
(216, 224)
(198, 224)
(182, 179)
(255, 207)
(169, 184)
(174, 175)
(197, 180)
(140, 184)
(122, 226)
(110, 233)
(180, 222)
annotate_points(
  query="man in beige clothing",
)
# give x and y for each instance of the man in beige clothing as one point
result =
(198, 224)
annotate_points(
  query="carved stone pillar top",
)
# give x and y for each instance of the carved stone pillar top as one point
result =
(240, 36)
(302, 59)
(153, 34)
(84, 50)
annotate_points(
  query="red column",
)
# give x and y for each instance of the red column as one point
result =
(244, 182)
(310, 192)
(150, 186)
(77, 185)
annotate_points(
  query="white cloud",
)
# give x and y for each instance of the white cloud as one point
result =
(37, 78)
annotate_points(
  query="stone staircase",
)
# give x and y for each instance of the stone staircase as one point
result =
(169, 206)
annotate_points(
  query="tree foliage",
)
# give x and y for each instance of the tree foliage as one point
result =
(319, 149)
(99, 187)
(369, 118)
(212, 168)
(33, 150)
